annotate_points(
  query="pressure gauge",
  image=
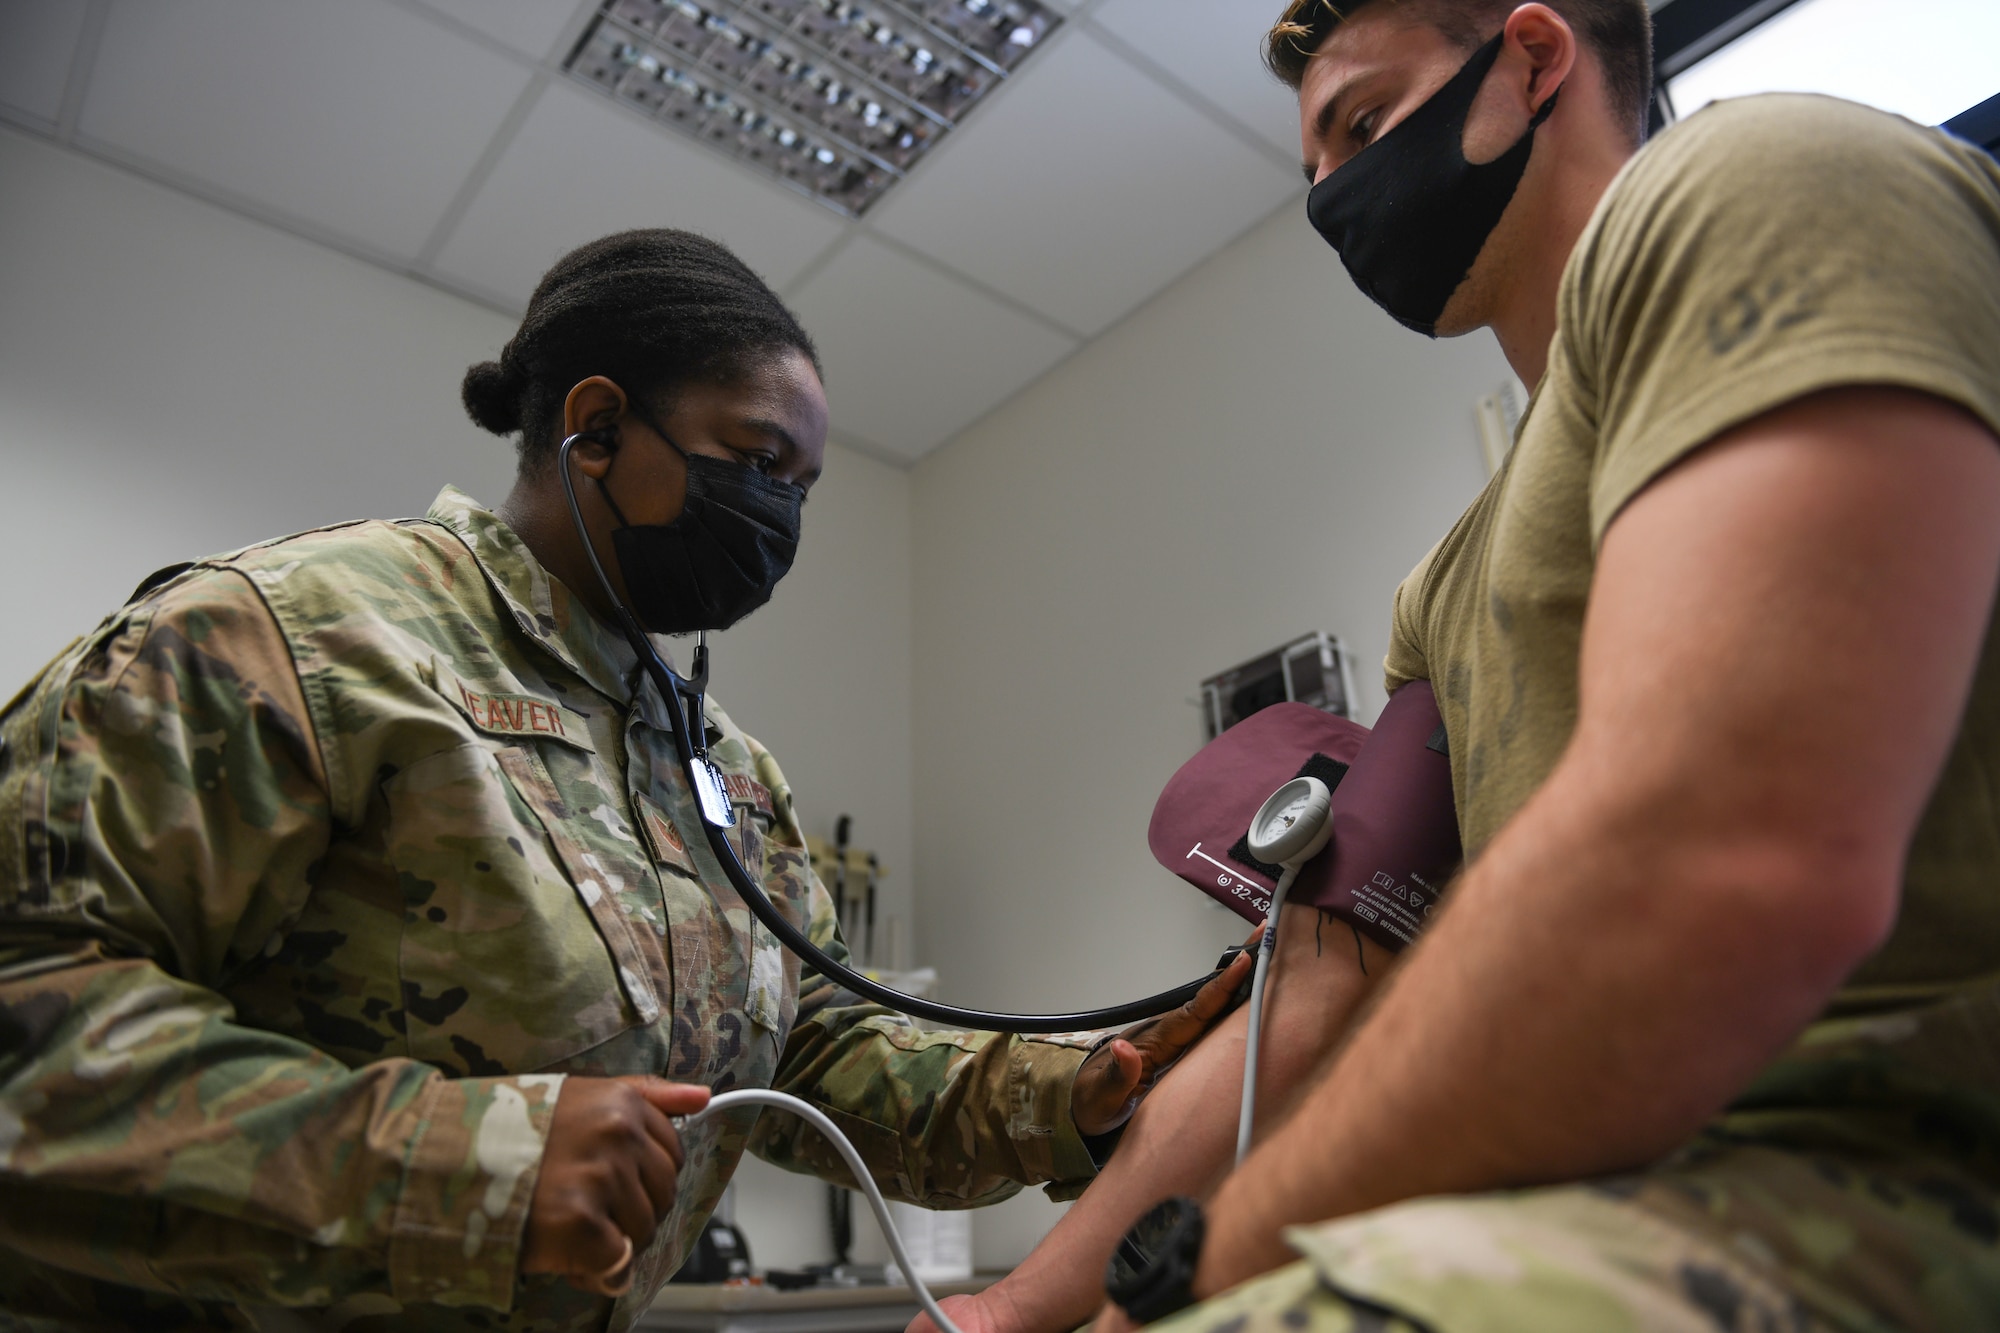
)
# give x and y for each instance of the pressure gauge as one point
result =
(1292, 827)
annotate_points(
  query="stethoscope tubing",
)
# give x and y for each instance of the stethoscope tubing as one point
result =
(673, 690)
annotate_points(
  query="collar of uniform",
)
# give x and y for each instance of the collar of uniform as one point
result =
(546, 610)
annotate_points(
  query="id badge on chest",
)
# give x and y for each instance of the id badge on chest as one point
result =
(709, 791)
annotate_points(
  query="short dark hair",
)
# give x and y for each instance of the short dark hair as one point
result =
(1620, 32)
(651, 310)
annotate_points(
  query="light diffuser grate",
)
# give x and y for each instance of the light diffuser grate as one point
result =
(837, 98)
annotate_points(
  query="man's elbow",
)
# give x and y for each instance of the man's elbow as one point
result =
(1806, 904)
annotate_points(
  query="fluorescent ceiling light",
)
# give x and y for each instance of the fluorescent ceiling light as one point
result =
(1925, 59)
(837, 98)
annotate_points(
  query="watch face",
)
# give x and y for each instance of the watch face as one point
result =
(1154, 1263)
(1139, 1250)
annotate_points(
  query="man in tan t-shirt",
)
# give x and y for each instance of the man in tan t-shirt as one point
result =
(1716, 662)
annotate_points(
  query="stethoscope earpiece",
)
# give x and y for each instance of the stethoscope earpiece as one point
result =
(607, 436)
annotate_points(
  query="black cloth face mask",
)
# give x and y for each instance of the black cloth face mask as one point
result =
(721, 559)
(1408, 214)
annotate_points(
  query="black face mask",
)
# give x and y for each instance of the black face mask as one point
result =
(719, 561)
(1409, 214)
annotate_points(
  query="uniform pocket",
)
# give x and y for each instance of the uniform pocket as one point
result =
(767, 1006)
(786, 874)
(612, 894)
(510, 962)
(703, 940)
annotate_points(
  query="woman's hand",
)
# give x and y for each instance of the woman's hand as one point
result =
(609, 1171)
(1117, 1075)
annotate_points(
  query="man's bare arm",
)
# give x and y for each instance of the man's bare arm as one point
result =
(1781, 639)
(1183, 1137)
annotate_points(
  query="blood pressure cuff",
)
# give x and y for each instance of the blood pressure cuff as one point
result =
(1395, 829)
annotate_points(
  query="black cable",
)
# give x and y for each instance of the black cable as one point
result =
(672, 691)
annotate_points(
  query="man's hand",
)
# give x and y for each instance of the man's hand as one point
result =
(986, 1313)
(970, 1313)
(1183, 1137)
(609, 1171)
(1111, 1319)
(1117, 1075)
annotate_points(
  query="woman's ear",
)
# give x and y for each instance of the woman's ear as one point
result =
(592, 410)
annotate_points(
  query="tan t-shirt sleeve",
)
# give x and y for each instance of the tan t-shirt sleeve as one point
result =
(1405, 661)
(1768, 248)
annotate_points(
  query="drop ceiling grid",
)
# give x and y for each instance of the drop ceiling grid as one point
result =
(1143, 187)
(890, 376)
(1211, 53)
(35, 56)
(565, 179)
(445, 250)
(362, 117)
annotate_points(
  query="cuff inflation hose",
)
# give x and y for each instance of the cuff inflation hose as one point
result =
(811, 1114)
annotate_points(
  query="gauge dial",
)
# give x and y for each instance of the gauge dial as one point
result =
(1292, 826)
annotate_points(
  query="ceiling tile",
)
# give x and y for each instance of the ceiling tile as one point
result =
(529, 26)
(1083, 188)
(37, 39)
(358, 116)
(1216, 48)
(912, 355)
(582, 166)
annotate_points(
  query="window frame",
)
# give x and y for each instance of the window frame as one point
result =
(1686, 32)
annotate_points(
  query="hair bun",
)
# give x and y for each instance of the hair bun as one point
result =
(492, 397)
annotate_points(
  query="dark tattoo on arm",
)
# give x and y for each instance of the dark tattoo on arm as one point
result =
(1319, 948)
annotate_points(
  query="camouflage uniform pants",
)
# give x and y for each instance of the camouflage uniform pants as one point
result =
(1723, 1239)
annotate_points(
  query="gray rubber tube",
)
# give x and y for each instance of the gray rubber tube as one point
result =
(812, 1115)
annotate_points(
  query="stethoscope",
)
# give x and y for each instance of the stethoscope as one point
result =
(683, 696)
(1289, 830)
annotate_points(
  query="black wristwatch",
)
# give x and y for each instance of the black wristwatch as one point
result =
(1151, 1274)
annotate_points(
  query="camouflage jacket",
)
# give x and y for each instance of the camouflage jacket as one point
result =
(321, 865)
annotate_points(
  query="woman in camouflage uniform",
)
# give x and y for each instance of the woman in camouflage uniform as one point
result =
(354, 949)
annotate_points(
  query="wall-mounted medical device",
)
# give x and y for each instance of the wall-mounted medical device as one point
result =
(1313, 670)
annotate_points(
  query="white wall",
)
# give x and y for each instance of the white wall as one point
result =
(175, 380)
(1255, 454)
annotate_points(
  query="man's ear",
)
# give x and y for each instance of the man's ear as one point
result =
(1543, 40)
(593, 409)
